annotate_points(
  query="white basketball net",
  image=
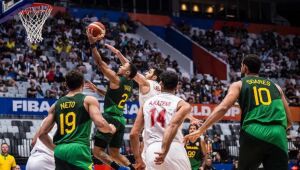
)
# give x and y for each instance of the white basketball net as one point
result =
(33, 19)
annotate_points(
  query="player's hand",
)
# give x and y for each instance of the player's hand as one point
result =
(113, 128)
(92, 39)
(91, 86)
(201, 168)
(112, 49)
(192, 136)
(160, 158)
(139, 165)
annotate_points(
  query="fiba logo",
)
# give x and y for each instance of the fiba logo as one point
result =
(30, 106)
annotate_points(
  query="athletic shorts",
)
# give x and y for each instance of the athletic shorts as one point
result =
(72, 156)
(255, 151)
(112, 140)
(176, 158)
(40, 161)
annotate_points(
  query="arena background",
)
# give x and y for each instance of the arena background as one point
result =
(204, 41)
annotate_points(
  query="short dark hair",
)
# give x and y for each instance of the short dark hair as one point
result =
(169, 80)
(74, 79)
(157, 73)
(193, 125)
(133, 70)
(253, 63)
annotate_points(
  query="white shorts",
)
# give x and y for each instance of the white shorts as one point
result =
(40, 161)
(176, 158)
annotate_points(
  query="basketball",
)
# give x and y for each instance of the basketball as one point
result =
(96, 29)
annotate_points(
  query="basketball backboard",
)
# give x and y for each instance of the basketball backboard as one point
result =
(9, 8)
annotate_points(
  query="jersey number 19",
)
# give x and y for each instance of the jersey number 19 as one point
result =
(67, 123)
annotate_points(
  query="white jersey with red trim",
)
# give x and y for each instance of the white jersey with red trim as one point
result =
(158, 112)
(154, 90)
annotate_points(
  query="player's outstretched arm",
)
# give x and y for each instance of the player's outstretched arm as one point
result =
(139, 78)
(94, 88)
(37, 134)
(183, 109)
(46, 128)
(109, 73)
(219, 111)
(286, 107)
(93, 108)
(134, 139)
(117, 52)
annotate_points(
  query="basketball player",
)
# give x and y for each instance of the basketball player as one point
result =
(117, 93)
(265, 118)
(196, 150)
(148, 84)
(73, 115)
(161, 116)
(41, 154)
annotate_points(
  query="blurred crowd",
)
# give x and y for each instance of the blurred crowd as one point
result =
(65, 47)
(280, 55)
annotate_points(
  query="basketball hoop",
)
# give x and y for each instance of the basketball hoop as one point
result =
(33, 19)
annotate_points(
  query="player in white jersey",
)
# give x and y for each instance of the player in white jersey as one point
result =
(148, 84)
(161, 116)
(41, 157)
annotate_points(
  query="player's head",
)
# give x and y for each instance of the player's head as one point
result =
(74, 80)
(193, 128)
(168, 81)
(153, 74)
(4, 148)
(250, 64)
(128, 70)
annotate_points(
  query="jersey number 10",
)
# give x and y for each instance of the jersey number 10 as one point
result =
(259, 98)
(66, 125)
(160, 117)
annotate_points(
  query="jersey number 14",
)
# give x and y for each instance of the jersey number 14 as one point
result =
(160, 118)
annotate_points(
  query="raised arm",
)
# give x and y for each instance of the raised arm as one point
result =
(117, 52)
(109, 73)
(134, 139)
(46, 128)
(219, 111)
(286, 107)
(183, 109)
(94, 88)
(92, 105)
(139, 78)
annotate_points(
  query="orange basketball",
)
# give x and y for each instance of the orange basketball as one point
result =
(96, 29)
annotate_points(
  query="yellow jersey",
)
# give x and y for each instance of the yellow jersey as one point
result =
(7, 162)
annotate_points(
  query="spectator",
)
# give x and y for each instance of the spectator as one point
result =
(235, 165)
(18, 167)
(7, 161)
(32, 91)
(208, 165)
(58, 75)
(40, 93)
(3, 88)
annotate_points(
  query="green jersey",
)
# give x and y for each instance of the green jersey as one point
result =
(115, 99)
(194, 152)
(263, 113)
(73, 121)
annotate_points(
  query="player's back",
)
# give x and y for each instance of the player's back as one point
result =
(73, 121)
(154, 89)
(260, 101)
(158, 112)
(263, 113)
